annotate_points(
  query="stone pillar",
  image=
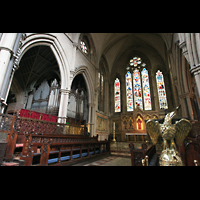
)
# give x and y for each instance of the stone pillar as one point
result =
(91, 119)
(154, 92)
(63, 105)
(106, 97)
(6, 51)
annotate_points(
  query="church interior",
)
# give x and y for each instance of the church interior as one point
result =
(97, 91)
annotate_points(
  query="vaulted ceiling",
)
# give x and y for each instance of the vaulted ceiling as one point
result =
(114, 46)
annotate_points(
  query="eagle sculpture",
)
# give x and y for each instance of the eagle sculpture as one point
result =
(169, 132)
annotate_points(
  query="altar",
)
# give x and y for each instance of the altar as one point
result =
(135, 136)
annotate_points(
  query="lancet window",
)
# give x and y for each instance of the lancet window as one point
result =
(129, 91)
(117, 95)
(161, 90)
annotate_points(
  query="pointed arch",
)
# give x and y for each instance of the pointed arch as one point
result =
(88, 79)
(55, 46)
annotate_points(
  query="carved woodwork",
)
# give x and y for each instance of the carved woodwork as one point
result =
(52, 144)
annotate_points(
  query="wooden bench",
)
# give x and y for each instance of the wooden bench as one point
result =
(137, 155)
(60, 149)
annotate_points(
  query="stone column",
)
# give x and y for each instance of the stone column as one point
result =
(154, 92)
(6, 51)
(106, 97)
(91, 119)
(63, 105)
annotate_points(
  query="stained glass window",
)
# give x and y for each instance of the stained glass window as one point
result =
(137, 89)
(117, 96)
(84, 47)
(135, 61)
(146, 89)
(161, 90)
(129, 92)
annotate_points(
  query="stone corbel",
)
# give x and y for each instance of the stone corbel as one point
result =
(75, 44)
(183, 46)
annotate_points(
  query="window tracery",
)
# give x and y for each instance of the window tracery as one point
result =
(141, 88)
(138, 87)
(84, 47)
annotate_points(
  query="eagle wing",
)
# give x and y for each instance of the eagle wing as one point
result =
(183, 127)
(153, 129)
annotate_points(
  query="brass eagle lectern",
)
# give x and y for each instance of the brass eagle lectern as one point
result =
(168, 131)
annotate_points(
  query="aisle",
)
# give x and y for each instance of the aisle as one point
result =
(120, 156)
(107, 161)
(112, 161)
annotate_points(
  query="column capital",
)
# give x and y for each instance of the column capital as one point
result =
(195, 69)
(7, 49)
(75, 44)
(64, 91)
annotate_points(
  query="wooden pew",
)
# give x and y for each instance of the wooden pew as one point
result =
(138, 155)
(61, 149)
(190, 151)
(16, 126)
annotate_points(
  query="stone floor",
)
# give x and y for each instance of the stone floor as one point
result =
(107, 160)
(120, 156)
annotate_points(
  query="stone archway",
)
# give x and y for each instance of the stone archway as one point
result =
(78, 99)
(38, 78)
(82, 70)
(62, 61)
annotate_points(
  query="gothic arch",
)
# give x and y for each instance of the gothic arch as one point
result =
(53, 43)
(88, 79)
(49, 40)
